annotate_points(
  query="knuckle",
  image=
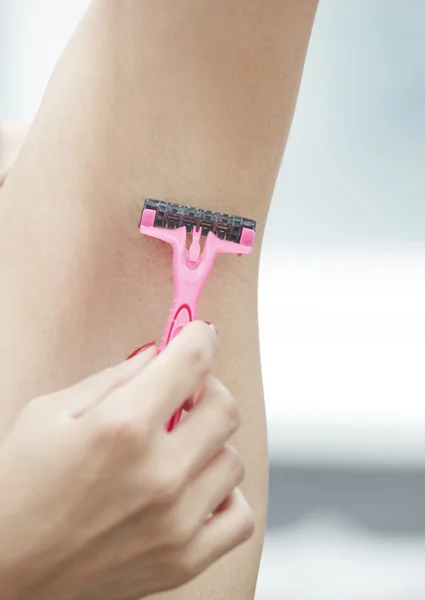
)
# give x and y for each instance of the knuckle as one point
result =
(236, 465)
(246, 523)
(119, 433)
(35, 405)
(165, 488)
(230, 410)
(189, 566)
(117, 379)
(41, 406)
(181, 530)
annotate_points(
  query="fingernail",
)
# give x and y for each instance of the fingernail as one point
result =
(140, 350)
(213, 327)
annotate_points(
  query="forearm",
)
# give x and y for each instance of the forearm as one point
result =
(189, 101)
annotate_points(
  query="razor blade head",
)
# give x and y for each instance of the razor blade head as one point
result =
(174, 216)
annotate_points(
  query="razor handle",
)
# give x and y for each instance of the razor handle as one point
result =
(180, 315)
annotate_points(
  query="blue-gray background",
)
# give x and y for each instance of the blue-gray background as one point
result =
(341, 301)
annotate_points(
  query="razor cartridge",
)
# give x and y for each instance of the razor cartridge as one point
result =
(173, 216)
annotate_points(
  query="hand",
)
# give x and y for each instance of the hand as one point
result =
(99, 502)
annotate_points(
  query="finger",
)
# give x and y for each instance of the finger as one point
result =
(229, 528)
(195, 399)
(213, 486)
(205, 430)
(85, 395)
(169, 380)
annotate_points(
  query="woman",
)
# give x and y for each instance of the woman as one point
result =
(189, 101)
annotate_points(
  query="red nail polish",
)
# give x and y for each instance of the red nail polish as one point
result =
(140, 350)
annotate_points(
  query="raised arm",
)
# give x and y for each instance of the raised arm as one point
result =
(187, 100)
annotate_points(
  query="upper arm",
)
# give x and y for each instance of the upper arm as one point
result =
(11, 139)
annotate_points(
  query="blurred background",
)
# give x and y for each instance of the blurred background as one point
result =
(342, 301)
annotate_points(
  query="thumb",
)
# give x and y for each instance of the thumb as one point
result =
(80, 398)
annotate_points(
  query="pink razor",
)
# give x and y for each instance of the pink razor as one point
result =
(224, 234)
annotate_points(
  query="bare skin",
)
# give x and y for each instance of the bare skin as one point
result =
(12, 136)
(190, 101)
